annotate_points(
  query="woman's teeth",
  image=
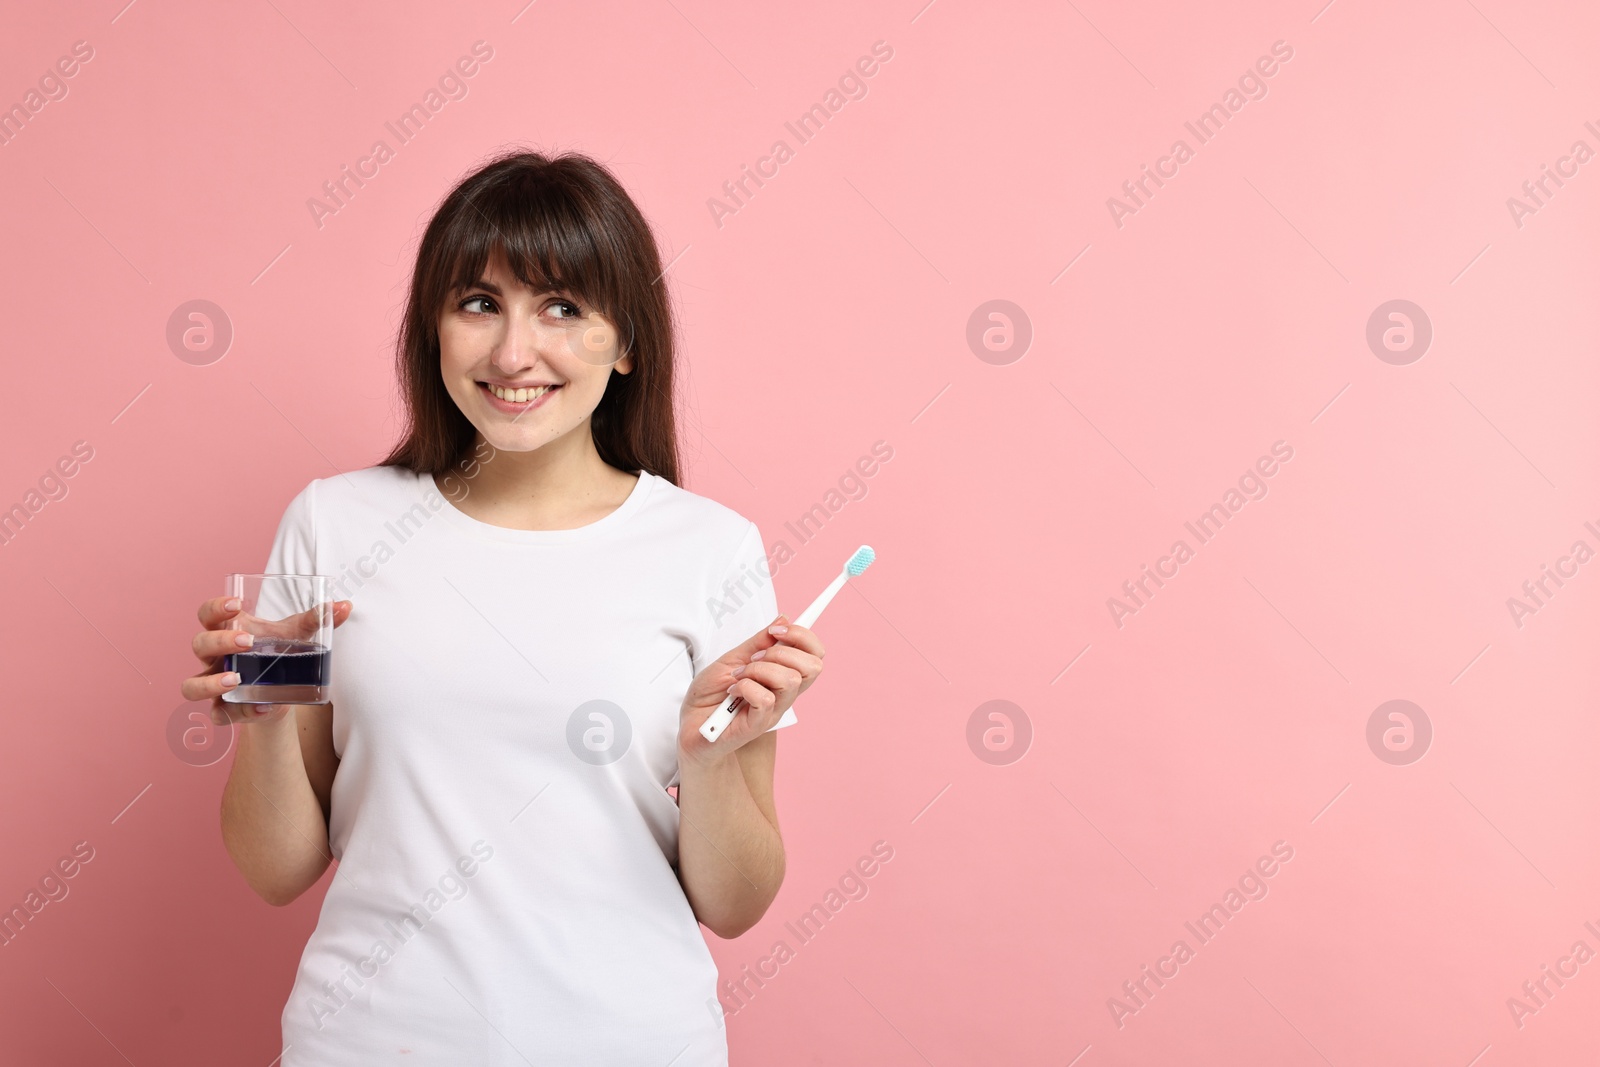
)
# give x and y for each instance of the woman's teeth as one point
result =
(520, 396)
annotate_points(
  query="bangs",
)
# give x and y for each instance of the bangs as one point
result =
(550, 237)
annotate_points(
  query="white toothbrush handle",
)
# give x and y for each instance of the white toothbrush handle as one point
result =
(712, 728)
(809, 616)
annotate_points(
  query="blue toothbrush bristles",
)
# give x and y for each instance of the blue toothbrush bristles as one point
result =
(860, 561)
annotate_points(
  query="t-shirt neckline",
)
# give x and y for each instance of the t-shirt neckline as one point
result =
(425, 490)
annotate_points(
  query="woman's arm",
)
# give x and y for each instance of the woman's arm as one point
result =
(730, 853)
(275, 805)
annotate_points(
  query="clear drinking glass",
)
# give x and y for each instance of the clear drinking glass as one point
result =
(291, 616)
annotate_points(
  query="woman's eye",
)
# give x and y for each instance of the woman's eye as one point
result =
(467, 304)
(573, 310)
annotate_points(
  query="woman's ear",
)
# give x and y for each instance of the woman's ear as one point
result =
(625, 364)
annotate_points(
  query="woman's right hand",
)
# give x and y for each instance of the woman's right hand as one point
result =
(219, 639)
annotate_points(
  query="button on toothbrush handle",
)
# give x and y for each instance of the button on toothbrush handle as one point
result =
(712, 728)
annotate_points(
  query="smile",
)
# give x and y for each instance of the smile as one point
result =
(516, 401)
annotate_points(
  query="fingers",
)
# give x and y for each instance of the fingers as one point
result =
(761, 711)
(217, 611)
(799, 637)
(741, 653)
(304, 623)
(224, 712)
(209, 644)
(208, 686)
(806, 663)
(767, 640)
(757, 697)
(752, 694)
(773, 676)
(308, 622)
(804, 668)
(762, 683)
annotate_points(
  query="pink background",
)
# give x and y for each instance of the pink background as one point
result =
(831, 312)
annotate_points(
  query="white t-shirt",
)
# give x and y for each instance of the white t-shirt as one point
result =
(505, 710)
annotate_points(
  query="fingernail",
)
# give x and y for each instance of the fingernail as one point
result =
(244, 640)
(231, 604)
(777, 631)
(739, 670)
(231, 678)
(732, 689)
(260, 709)
(758, 655)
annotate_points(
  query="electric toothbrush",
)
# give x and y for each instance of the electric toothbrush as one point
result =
(712, 728)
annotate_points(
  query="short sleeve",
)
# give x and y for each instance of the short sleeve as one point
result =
(293, 551)
(742, 602)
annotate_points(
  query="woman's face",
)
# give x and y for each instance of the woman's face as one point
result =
(500, 341)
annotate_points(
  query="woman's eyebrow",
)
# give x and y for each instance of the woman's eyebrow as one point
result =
(490, 287)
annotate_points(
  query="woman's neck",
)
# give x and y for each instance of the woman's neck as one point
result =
(558, 486)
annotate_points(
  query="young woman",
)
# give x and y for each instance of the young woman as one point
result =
(538, 621)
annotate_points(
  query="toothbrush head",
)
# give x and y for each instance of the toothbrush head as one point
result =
(860, 561)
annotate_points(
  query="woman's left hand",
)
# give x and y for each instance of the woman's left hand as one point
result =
(769, 671)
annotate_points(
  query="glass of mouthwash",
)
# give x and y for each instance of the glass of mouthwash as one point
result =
(291, 616)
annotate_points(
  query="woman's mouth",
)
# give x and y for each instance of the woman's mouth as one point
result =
(516, 401)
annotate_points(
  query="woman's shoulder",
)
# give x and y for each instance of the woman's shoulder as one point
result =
(387, 488)
(700, 518)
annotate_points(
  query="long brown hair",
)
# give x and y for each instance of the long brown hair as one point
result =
(563, 223)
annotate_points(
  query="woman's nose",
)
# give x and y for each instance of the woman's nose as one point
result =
(522, 344)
